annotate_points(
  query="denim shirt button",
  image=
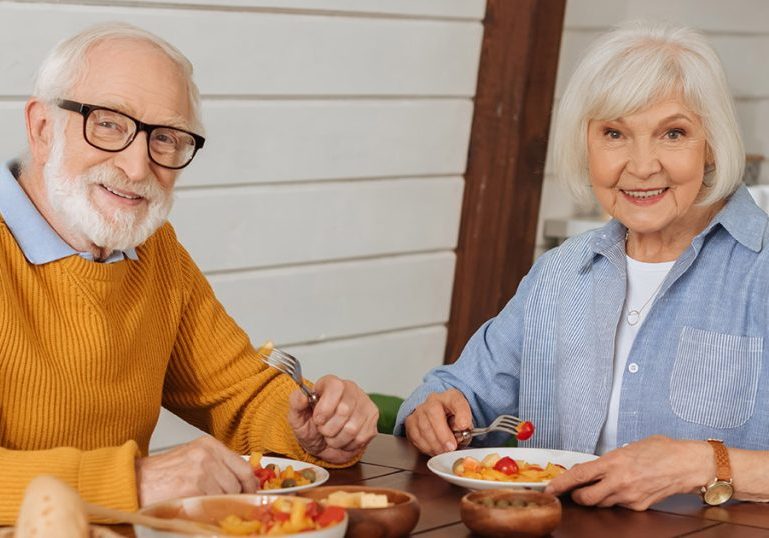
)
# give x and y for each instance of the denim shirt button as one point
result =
(632, 368)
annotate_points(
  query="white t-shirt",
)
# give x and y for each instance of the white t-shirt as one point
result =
(643, 283)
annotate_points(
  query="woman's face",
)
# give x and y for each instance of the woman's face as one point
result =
(647, 168)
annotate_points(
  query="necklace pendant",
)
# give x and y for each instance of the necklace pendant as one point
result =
(633, 317)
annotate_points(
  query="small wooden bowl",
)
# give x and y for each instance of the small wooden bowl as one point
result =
(539, 517)
(390, 522)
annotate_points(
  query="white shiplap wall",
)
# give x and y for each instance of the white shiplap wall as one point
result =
(325, 206)
(738, 30)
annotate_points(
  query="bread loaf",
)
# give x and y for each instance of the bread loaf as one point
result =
(51, 509)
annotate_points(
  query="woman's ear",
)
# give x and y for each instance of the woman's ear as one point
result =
(39, 129)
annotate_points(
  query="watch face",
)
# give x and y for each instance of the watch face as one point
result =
(718, 493)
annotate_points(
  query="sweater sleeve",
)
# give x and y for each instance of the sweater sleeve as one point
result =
(216, 382)
(104, 476)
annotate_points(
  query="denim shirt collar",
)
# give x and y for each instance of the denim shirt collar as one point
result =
(37, 240)
(740, 217)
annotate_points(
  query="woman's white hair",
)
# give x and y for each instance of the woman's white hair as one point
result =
(630, 68)
(67, 62)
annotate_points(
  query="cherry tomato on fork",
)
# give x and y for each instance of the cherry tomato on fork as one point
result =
(525, 430)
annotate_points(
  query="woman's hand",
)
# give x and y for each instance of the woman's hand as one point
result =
(639, 474)
(429, 427)
(341, 424)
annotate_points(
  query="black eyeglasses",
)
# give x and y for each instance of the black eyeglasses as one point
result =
(110, 130)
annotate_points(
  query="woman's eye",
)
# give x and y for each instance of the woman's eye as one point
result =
(674, 134)
(612, 134)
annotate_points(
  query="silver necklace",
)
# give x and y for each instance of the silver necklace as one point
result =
(634, 316)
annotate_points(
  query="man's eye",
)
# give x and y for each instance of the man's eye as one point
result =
(110, 125)
(164, 138)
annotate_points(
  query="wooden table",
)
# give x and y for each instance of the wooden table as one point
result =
(392, 462)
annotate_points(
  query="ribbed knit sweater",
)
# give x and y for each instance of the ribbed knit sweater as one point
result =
(90, 351)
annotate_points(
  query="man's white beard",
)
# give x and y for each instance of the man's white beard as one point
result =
(118, 230)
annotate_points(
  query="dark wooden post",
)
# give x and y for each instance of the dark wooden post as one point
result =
(506, 160)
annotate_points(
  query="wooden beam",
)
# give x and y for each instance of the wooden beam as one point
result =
(508, 144)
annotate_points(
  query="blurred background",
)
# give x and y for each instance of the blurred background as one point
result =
(326, 206)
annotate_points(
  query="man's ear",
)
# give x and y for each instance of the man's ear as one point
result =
(39, 129)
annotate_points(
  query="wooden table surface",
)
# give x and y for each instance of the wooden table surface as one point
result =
(392, 462)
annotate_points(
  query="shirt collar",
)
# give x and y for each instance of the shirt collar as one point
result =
(37, 240)
(740, 217)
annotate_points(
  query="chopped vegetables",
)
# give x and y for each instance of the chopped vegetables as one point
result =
(272, 477)
(506, 469)
(283, 516)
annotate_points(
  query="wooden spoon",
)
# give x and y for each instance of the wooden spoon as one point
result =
(175, 524)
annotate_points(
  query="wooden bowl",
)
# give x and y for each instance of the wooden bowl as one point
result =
(531, 513)
(398, 519)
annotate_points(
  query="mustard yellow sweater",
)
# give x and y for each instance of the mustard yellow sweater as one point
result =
(90, 351)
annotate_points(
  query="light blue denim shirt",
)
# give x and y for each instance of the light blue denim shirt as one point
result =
(37, 240)
(696, 369)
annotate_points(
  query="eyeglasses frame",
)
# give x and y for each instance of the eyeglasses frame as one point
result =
(85, 110)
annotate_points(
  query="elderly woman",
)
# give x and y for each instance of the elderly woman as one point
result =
(642, 340)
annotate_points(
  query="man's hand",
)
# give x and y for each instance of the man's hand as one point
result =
(341, 424)
(201, 467)
(430, 426)
(639, 474)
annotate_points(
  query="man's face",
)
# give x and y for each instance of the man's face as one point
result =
(117, 200)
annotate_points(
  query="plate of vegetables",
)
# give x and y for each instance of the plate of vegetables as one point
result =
(283, 475)
(500, 467)
(250, 515)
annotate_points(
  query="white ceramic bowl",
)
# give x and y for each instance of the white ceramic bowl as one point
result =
(442, 463)
(213, 508)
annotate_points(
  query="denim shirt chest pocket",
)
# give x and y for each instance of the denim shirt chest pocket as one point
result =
(715, 378)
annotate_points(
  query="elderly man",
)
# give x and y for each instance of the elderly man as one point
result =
(104, 315)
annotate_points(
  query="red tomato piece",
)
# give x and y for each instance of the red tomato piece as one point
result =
(280, 516)
(312, 510)
(525, 430)
(330, 515)
(263, 475)
(506, 465)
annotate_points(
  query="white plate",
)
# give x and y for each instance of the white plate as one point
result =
(441, 464)
(321, 475)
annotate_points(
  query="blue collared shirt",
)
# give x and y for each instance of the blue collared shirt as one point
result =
(37, 240)
(697, 368)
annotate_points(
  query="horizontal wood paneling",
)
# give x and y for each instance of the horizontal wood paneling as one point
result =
(735, 16)
(313, 303)
(277, 225)
(390, 363)
(472, 9)
(249, 141)
(266, 53)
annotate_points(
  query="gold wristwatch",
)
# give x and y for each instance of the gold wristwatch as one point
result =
(720, 489)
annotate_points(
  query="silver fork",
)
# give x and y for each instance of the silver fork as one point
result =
(504, 423)
(289, 365)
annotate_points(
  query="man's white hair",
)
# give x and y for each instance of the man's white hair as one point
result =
(67, 62)
(630, 68)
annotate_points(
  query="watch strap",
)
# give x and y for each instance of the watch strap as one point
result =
(723, 468)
